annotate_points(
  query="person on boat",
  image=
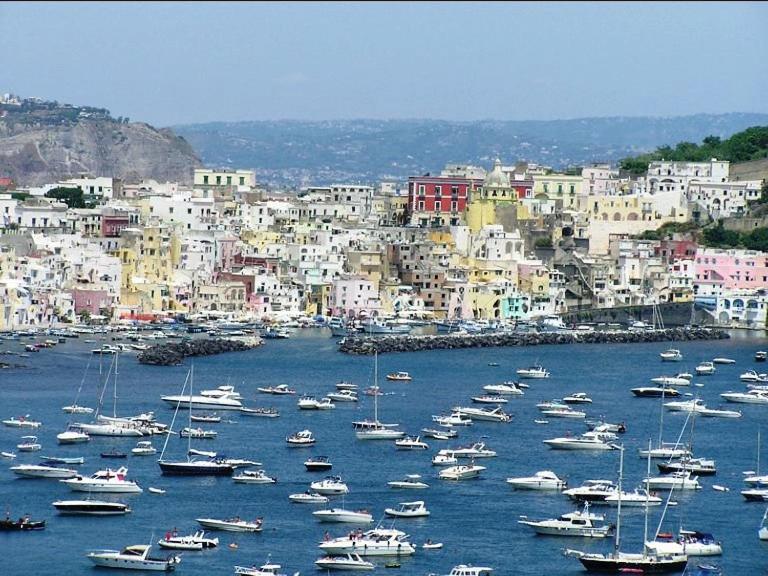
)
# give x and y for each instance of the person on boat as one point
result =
(327, 536)
(167, 535)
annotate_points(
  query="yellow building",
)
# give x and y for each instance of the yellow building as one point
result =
(558, 187)
(496, 190)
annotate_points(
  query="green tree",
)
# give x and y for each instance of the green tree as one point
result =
(72, 197)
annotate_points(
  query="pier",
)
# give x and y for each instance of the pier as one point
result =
(382, 344)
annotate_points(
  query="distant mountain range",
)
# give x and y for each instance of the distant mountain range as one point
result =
(295, 153)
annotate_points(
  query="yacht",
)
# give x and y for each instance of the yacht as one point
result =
(411, 443)
(466, 570)
(308, 497)
(22, 422)
(231, 525)
(91, 507)
(375, 542)
(201, 402)
(399, 377)
(268, 569)
(505, 389)
(690, 542)
(72, 435)
(535, 371)
(578, 398)
(134, 557)
(695, 405)
(318, 464)
(341, 515)
(439, 434)
(705, 369)
(542, 480)
(374, 429)
(750, 397)
(144, 448)
(655, 392)
(444, 458)
(495, 415)
(29, 444)
(682, 480)
(345, 562)
(666, 451)
(461, 472)
(753, 377)
(671, 355)
(671, 381)
(591, 491)
(325, 404)
(221, 392)
(755, 495)
(196, 541)
(330, 485)
(302, 438)
(41, 471)
(411, 481)
(254, 477)
(475, 450)
(580, 523)
(307, 403)
(279, 390)
(698, 466)
(583, 442)
(343, 385)
(489, 399)
(453, 419)
(198, 433)
(721, 360)
(408, 510)
(343, 396)
(104, 481)
(563, 413)
(75, 409)
(120, 428)
(719, 413)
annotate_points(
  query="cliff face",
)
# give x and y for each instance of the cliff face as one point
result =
(34, 152)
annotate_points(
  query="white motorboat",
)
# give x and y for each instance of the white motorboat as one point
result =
(232, 524)
(196, 541)
(750, 397)
(198, 433)
(209, 418)
(705, 369)
(411, 481)
(721, 360)
(104, 481)
(580, 523)
(342, 515)
(29, 444)
(461, 472)
(8, 455)
(505, 389)
(671, 381)
(755, 494)
(411, 443)
(635, 499)
(666, 451)
(260, 412)
(222, 392)
(552, 405)
(302, 438)
(698, 466)
(268, 569)
(489, 399)
(375, 542)
(439, 434)
(399, 377)
(690, 542)
(444, 458)
(467, 570)
(450, 420)
(318, 464)
(346, 562)
(72, 435)
(307, 403)
(279, 390)
(346, 386)
(254, 477)
(91, 507)
(542, 480)
(200, 402)
(111, 429)
(330, 486)
(22, 422)
(75, 409)
(695, 405)
(325, 404)
(343, 396)
(535, 371)
(56, 460)
(144, 448)
(719, 413)
(308, 497)
(754, 377)
(563, 413)
(578, 398)
(495, 415)
(671, 355)
(415, 509)
(134, 557)
(474, 450)
(584, 442)
(591, 491)
(40, 471)
(682, 480)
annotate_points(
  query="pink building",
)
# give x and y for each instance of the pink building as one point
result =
(354, 297)
(717, 270)
(91, 300)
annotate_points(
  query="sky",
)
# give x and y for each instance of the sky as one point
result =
(179, 63)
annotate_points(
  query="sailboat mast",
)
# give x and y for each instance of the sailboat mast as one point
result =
(617, 542)
(757, 469)
(189, 425)
(114, 392)
(376, 385)
(647, 499)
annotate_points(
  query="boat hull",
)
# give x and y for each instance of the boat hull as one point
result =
(132, 564)
(91, 508)
(615, 566)
(192, 469)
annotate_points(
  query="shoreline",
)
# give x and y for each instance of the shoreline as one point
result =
(366, 345)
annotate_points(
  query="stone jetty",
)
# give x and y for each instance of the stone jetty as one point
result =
(172, 354)
(383, 344)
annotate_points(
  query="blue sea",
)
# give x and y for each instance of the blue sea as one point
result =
(476, 520)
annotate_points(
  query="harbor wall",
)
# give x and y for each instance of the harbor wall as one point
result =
(172, 354)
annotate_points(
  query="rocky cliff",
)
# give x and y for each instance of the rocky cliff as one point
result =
(42, 142)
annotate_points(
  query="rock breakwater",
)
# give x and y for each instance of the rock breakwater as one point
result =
(172, 354)
(383, 344)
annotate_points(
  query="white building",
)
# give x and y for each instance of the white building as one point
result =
(722, 199)
(665, 176)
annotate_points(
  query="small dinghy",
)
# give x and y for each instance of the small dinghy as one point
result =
(429, 545)
(720, 488)
(156, 490)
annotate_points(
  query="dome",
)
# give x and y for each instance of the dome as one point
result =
(496, 178)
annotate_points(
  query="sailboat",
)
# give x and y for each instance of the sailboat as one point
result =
(191, 466)
(114, 426)
(374, 429)
(617, 561)
(665, 450)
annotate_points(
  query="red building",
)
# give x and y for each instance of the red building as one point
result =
(438, 200)
(673, 250)
(113, 224)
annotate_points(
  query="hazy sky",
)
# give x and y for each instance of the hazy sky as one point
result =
(170, 63)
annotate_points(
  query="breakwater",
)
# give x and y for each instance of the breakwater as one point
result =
(383, 344)
(172, 354)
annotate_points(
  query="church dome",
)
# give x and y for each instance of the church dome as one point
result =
(496, 178)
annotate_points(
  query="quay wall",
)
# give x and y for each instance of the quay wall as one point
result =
(383, 344)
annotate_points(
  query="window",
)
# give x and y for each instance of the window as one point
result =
(421, 204)
(205, 179)
(438, 190)
(454, 190)
(421, 190)
(242, 180)
(438, 206)
(229, 180)
(189, 210)
(170, 210)
(218, 180)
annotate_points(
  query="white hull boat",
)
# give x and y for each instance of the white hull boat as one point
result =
(91, 507)
(351, 562)
(341, 515)
(579, 524)
(408, 510)
(543, 480)
(133, 558)
(461, 472)
(39, 471)
(203, 402)
(376, 542)
(330, 486)
(308, 498)
(231, 525)
(104, 481)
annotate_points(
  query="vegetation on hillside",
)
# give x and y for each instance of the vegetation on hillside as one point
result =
(750, 144)
(719, 237)
(666, 230)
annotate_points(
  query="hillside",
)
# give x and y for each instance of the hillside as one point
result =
(299, 152)
(42, 142)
